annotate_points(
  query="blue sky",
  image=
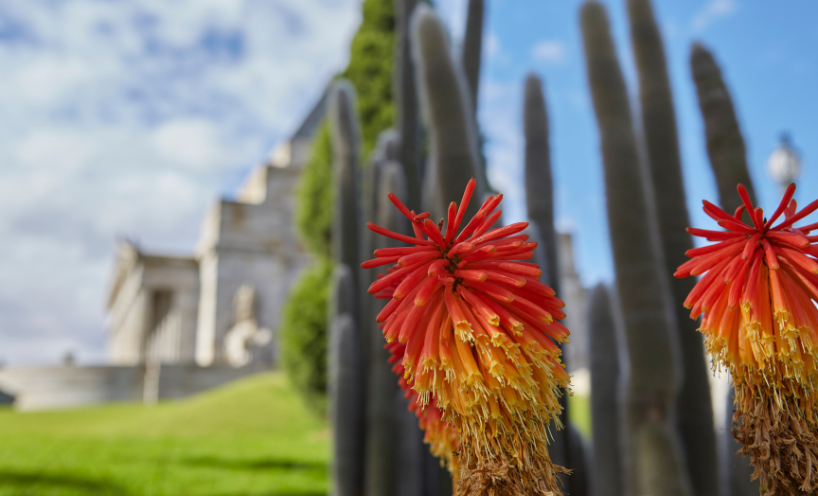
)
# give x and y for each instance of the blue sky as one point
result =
(130, 118)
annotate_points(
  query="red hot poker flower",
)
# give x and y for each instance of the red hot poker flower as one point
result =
(757, 295)
(480, 333)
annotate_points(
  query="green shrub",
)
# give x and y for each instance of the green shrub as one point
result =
(303, 334)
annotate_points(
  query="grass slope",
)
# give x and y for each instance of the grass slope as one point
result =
(253, 437)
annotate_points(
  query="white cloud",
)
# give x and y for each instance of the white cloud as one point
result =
(194, 143)
(45, 148)
(714, 10)
(550, 51)
(126, 119)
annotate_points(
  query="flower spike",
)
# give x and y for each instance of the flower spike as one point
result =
(474, 337)
(758, 294)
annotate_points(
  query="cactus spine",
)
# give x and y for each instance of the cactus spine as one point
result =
(453, 157)
(472, 48)
(694, 408)
(728, 159)
(605, 373)
(651, 439)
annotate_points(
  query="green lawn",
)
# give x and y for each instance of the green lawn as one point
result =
(252, 437)
(579, 409)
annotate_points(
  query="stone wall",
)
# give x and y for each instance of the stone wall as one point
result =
(43, 388)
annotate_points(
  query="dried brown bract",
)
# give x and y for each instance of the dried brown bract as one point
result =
(777, 424)
(527, 473)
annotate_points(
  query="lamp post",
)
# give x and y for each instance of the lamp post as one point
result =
(784, 163)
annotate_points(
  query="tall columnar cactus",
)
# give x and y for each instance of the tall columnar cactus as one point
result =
(694, 407)
(607, 477)
(566, 448)
(472, 48)
(404, 94)
(579, 483)
(725, 144)
(739, 470)
(382, 386)
(728, 159)
(453, 156)
(539, 185)
(346, 395)
(653, 448)
(345, 171)
(404, 464)
(346, 338)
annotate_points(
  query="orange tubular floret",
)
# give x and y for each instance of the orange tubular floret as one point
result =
(472, 334)
(429, 287)
(415, 277)
(519, 268)
(485, 226)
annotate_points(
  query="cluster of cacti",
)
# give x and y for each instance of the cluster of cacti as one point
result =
(651, 408)
(693, 404)
(667, 429)
(654, 463)
(378, 446)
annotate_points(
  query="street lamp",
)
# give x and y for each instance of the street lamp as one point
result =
(784, 163)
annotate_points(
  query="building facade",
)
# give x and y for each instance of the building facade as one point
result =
(221, 305)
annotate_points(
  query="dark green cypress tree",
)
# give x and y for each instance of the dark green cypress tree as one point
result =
(303, 329)
(370, 70)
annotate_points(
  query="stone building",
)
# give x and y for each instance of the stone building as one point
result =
(222, 304)
(178, 325)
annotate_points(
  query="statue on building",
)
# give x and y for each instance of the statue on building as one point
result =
(245, 336)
